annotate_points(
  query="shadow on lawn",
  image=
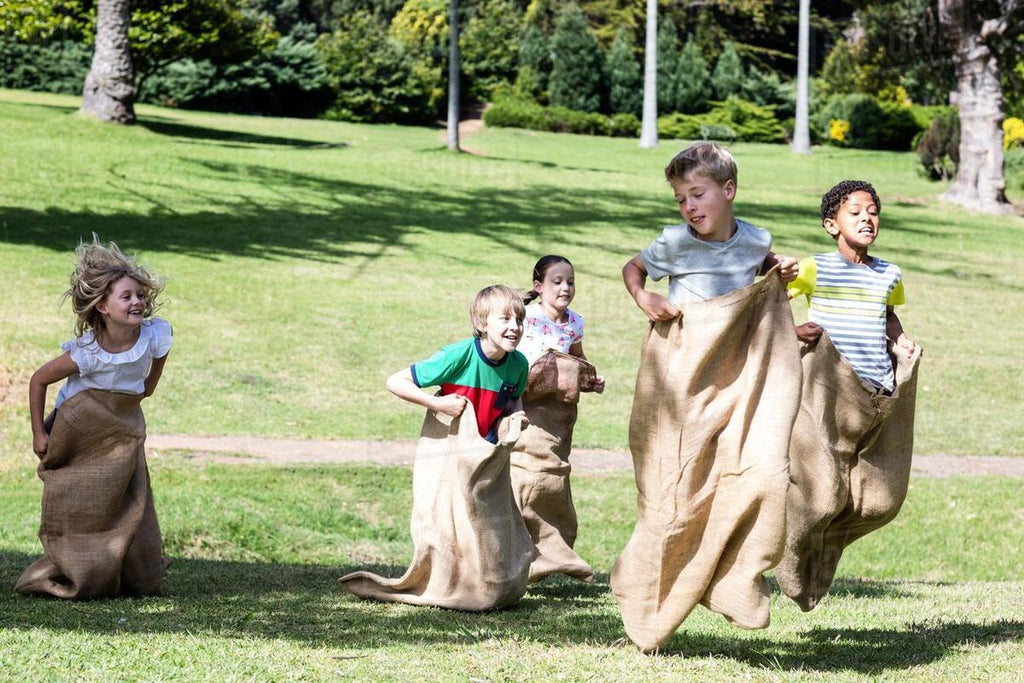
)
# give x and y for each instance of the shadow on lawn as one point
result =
(304, 603)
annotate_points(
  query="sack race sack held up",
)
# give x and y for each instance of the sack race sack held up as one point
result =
(99, 528)
(472, 550)
(716, 395)
(540, 463)
(849, 465)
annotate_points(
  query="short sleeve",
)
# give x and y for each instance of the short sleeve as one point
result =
(524, 373)
(898, 297)
(661, 256)
(160, 345)
(578, 320)
(805, 279)
(80, 354)
(437, 369)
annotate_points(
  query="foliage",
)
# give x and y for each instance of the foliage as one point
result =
(534, 64)
(577, 63)
(692, 80)
(624, 126)
(488, 45)
(840, 74)
(625, 88)
(679, 126)
(668, 65)
(838, 130)
(1013, 133)
(373, 77)
(873, 124)
(42, 21)
(421, 30)
(54, 67)
(727, 78)
(516, 112)
(746, 121)
(289, 81)
(939, 147)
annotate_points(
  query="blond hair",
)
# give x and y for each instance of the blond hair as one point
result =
(704, 158)
(496, 298)
(97, 269)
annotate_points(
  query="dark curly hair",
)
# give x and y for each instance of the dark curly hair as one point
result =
(834, 198)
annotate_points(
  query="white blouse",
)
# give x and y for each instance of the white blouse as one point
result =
(540, 333)
(125, 372)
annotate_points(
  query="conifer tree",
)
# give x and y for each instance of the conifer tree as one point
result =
(625, 91)
(534, 63)
(728, 76)
(693, 80)
(668, 65)
(577, 63)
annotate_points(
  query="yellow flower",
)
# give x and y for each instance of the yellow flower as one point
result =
(838, 129)
(1013, 132)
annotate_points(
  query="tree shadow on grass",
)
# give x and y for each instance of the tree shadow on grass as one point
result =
(303, 603)
(174, 128)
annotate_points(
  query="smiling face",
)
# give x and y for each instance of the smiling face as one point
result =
(706, 206)
(855, 225)
(557, 289)
(125, 306)
(501, 334)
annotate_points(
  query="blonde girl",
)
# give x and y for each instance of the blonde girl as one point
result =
(99, 530)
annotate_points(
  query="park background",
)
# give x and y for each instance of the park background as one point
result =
(307, 259)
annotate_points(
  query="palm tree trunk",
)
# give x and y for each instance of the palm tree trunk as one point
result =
(453, 75)
(649, 123)
(801, 128)
(109, 86)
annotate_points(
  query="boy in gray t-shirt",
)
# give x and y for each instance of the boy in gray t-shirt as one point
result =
(712, 253)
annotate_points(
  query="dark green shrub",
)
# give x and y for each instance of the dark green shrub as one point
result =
(511, 112)
(564, 120)
(873, 124)
(727, 79)
(668, 64)
(59, 67)
(939, 147)
(624, 126)
(534, 64)
(488, 47)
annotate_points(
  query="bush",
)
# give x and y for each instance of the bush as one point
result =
(1014, 165)
(750, 122)
(577, 63)
(939, 147)
(1013, 133)
(873, 124)
(58, 67)
(512, 112)
(625, 126)
(679, 126)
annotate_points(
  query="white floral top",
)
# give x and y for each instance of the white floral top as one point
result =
(540, 333)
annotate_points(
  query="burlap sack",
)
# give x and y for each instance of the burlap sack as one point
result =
(716, 395)
(849, 465)
(99, 528)
(472, 551)
(540, 463)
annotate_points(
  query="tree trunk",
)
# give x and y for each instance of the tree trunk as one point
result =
(801, 127)
(649, 124)
(980, 184)
(453, 75)
(109, 86)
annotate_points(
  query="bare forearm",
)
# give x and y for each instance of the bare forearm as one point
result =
(634, 277)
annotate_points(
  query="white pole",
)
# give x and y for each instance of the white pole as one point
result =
(649, 124)
(801, 127)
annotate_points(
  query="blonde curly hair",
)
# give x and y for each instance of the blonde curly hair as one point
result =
(97, 269)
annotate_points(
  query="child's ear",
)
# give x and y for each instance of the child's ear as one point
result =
(830, 226)
(537, 285)
(730, 189)
(102, 308)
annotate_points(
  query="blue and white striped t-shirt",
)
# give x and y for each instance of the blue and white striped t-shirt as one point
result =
(850, 300)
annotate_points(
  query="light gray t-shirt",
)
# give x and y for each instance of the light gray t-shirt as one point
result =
(699, 270)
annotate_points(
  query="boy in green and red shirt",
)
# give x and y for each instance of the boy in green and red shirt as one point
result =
(485, 370)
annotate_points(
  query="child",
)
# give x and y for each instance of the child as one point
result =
(852, 443)
(472, 550)
(553, 343)
(99, 529)
(716, 395)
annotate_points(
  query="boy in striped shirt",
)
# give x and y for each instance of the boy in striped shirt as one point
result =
(852, 294)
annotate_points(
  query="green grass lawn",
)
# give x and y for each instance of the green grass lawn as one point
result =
(252, 594)
(307, 260)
